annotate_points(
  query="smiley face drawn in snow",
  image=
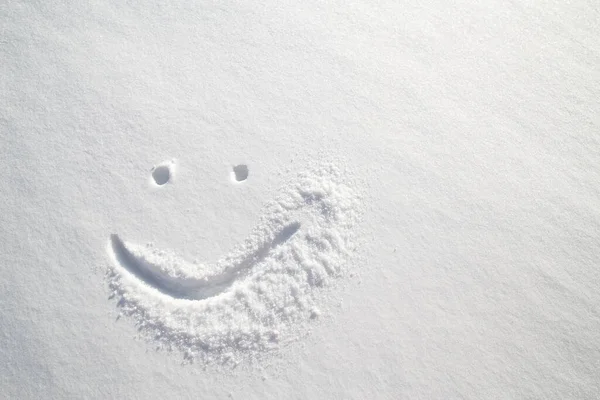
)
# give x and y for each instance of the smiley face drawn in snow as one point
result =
(259, 295)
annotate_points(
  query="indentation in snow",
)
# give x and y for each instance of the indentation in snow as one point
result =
(240, 172)
(259, 295)
(161, 174)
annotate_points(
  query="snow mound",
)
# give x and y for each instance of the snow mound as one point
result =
(258, 296)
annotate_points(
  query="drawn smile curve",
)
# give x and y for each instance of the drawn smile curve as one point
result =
(148, 265)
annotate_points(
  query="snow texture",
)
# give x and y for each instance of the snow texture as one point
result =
(432, 164)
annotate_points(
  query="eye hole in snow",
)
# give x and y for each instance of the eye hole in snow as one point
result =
(240, 172)
(161, 174)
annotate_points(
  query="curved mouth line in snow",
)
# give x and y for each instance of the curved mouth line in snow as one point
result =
(154, 273)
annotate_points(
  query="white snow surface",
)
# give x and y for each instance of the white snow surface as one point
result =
(345, 200)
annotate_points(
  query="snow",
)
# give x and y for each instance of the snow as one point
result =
(457, 142)
(255, 297)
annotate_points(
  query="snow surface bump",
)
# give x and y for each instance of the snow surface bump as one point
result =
(256, 297)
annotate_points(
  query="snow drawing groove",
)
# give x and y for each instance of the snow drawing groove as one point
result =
(261, 294)
(151, 272)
